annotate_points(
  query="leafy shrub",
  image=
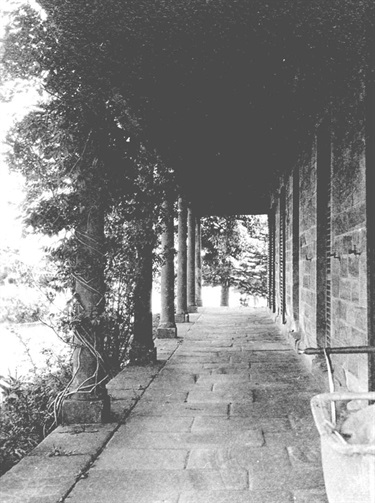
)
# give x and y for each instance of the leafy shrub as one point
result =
(27, 412)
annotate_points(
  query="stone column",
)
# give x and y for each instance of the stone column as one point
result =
(88, 401)
(191, 303)
(167, 327)
(224, 294)
(182, 315)
(143, 350)
(198, 263)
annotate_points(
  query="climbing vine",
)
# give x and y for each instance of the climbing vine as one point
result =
(121, 81)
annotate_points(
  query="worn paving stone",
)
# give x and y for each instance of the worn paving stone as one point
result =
(201, 396)
(163, 396)
(291, 439)
(305, 454)
(42, 467)
(266, 424)
(230, 370)
(225, 378)
(150, 485)
(262, 459)
(277, 408)
(141, 459)
(73, 440)
(42, 490)
(161, 424)
(310, 496)
(287, 479)
(183, 386)
(128, 437)
(235, 497)
(43, 477)
(239, 456)
(234, 456)
(181, 409)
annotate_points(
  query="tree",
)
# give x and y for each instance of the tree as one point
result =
(87, 178)
(235, 254)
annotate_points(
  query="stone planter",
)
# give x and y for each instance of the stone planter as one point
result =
(349, 469)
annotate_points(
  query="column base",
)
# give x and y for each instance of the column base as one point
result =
(140, 355)
(181, 318)
(192, 309)
(86, 411)
(167, 331)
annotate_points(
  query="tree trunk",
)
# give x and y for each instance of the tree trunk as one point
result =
(224, 298)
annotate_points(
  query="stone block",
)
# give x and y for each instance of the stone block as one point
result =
(193, 309)
(355, 292)
(140, 355)
(85, 411)
(167, 333)
(181, 318)
(354, 265)
(75, 440)
(345, 289)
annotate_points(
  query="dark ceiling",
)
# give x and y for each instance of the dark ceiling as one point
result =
(239, 85)
(226, 91)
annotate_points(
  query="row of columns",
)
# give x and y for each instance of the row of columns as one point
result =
(87, 400)
(189, 269)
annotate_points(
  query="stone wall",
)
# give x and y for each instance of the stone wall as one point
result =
(349, 257)
(331, 278)
(307, 239)
(289, 252)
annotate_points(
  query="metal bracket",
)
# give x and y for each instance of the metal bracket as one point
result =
(338, 350)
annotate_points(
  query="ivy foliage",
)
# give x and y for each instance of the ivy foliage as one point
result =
(81, 155)
(128, 87)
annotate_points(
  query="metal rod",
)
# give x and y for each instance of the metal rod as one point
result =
(339, 350)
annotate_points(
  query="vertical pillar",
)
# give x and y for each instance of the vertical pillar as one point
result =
(143, 350)
(167, 327)
(370, 211)
(88, 400)
(198, 263)
(182, 315)
(191, 303)
(224, 294)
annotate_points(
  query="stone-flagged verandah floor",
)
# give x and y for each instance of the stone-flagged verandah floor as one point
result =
(223, 418)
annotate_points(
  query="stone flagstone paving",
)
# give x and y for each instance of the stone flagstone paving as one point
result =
(226, 420)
